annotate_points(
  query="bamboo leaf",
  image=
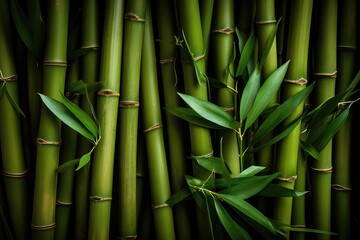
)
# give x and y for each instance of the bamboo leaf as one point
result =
(250, 211)
(234, 230)
(331, 130)
(281, 113)
(66, 116)
(12, 101)
(352, 85)
(210, 111)
(249, 186)
(310, 149)
(208, 213)
(251, 171)
(268, 46)
(191, 116)
(67, 165)
(84, 160)
(249, 93)
(76, 53)
(83, 117)
(246, 52)
(267, 91)
(81, 88)
(275, 190)
(213, 164)
(179, 196)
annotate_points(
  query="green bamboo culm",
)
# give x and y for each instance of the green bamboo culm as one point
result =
(128, 117)
(106, 111)
(200, 138)
(49, 136)
(342, 216)
(154, 138)
(175, 127)
(206, 13)
(223, 52)
(295, 80)
(14, 164)
(324, 73)
(89, 74)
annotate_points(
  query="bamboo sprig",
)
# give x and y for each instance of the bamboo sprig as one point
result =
(106, 110)
(128, 117)
(14, 165)
(49, 136)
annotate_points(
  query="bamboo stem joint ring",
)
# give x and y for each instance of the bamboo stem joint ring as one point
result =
(227, 30)
(43, 227)
(108, 93)
(10, 78)
(15, 175)
(100, 199)
(300, 81)
(129, 104)
(322, 170)
(42, 141)
(153, 127)
(133, 17)
(338, 187)
(291, 179)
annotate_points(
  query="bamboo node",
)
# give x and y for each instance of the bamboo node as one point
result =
(195, 59)
(43, 227)
(108, 93)
(291, 179)
(331, 75)
(55, 63)
(42, 141)
(167, 60)
(159, 206)
(322, 170)
(347, 48)
(298, 225)
(94, 47)
(133, 17)
(11, 78)
(229, 110)
(99, 199)
(227, 30)
(15, 175)
(210, 154)
(63, 204)
(338, 187)
(300, 81)
(128, 237)
(153, 127)
(266, 21)
(129, 104)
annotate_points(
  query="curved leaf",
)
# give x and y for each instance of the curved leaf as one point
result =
(267, 91)
(310, 149)
(246, 52)
(275, 190)
(213, 164)
(84, 160)
(67, 165)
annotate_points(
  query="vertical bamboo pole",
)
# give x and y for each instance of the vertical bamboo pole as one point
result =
(128, 117)
(107, 109)
(324, 73)
(14, 166)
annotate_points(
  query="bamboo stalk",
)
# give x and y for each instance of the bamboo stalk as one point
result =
(175, 127)
(14, 165)
(89, 74)
(206, 12)
(128, 117)
(49, 139)
(107, 109)
(342, 160)
(324, 73)
(296, 79)
(154, 139)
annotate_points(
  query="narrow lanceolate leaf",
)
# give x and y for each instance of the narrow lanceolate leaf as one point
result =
(281, 113)
(268, 46)
(81, 88)
(84, 160)
(251, 171)
(179, 196)
(352, 85)
(249, 93)
(265, 94)
(249, 210)
(309, 149)
(84, 118)
(234, 230)
(331, 130)
(67, 164)
(11, 100)
(210, 111)
(246, 52)
(275, 190)
(249, 186)
(191, 116)
(66, 116)
(213, 164)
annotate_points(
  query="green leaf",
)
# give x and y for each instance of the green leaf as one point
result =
(251, 171)
(84, 160)
(268, 46)
(81, 88)
(210, 111)
(249, 93)
(246, 52)
(275, 190)
(67, 165)
(77, 53)
(352, 85)
(213, 164)
(309, 149)
(234, 230)
(179, 196)
(281, 113)
(191, 116)
(331, 130)
(265, 94)
(66, 116)
(250, 211)
(11, 100)
(247, 187)
(83, 117)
